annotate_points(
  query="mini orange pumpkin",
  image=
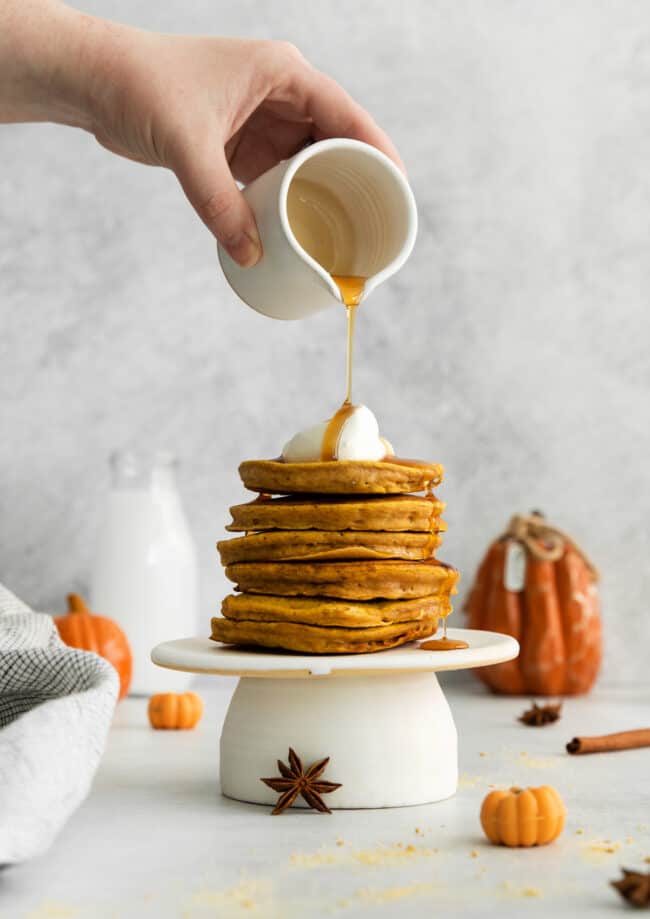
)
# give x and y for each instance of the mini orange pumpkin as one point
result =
(82, 629)
(554, 616)
(523, 817)
(175, 711)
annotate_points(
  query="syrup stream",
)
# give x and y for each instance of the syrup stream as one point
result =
(351, 288)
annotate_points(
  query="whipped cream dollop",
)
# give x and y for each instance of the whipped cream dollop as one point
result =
(358, 439)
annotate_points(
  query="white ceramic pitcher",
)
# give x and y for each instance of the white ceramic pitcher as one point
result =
(338, 207)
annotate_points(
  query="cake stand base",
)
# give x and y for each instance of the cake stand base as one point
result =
(381, 718)
(391, 739)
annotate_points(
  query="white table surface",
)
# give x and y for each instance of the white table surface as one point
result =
(156, 839)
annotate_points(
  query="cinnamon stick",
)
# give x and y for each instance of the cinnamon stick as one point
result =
(623, 740)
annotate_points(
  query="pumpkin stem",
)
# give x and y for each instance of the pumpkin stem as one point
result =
(515, 790)
(77, 604)
(537, 514)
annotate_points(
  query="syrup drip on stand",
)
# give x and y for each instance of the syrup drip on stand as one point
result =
(444, 643)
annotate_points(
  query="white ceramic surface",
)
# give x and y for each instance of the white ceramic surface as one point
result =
(391, 739)
(288, 283)
(202, 655)
(154, 839)
(381, 718)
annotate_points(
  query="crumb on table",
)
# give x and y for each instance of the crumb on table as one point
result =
(531, 892)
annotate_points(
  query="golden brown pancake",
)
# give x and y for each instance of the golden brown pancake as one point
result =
(320, 611)
(361, 580)
(312, 639)
(287, 545)
(340, 477)
(416, 513)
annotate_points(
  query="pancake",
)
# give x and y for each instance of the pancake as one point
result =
(361, 580)
(340, 477)
(312, 639)
(320, 611)
(415, 513)
(276, 545)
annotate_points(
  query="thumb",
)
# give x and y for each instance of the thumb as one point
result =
(211, 190)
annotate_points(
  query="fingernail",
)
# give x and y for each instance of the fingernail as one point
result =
(247, 250)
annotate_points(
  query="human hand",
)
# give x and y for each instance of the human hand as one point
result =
(215, 110)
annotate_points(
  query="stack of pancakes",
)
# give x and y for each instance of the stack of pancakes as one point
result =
(343, 562)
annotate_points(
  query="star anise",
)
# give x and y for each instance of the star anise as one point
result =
(539, 715)
(634, 887)
(296, 781)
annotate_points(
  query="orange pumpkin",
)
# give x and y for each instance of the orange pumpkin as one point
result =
(554, 616)
(523, 817)
(81, 629)
(175, 711)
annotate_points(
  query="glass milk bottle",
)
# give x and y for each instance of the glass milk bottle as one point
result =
(145, 573)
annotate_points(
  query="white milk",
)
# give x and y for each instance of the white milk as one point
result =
(145, 571)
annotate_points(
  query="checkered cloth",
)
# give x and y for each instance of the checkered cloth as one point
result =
(56, 705)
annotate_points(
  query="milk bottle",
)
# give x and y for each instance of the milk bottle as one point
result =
(145, 570)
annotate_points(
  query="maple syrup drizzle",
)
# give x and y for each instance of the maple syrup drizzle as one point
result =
(333, 432)
(444, 643)
(351, 312)
(351, 289)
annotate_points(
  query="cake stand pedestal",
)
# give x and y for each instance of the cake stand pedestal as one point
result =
(381, 718)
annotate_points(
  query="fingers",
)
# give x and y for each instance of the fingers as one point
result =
(304, 94)
(208, 183)
(336, 114)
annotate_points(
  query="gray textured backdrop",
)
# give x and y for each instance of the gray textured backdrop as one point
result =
(513, 346)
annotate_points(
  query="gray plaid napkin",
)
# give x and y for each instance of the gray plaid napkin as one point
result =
(56, 705)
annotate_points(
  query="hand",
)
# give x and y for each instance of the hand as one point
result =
(218, 109)
(214, 110)
(211, 109)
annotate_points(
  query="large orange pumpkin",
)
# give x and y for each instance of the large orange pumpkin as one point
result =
(81, 629)
(554, 615)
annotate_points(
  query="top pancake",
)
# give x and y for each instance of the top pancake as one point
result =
(340, 477)
(393, 513)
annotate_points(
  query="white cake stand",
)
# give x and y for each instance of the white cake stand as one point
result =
(381, 718)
